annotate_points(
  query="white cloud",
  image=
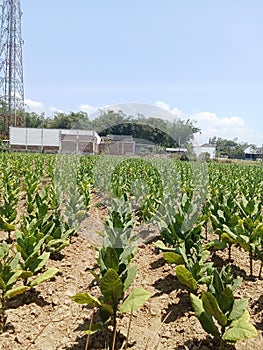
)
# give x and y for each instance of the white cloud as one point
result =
(211, 124)
(227, 127)
(34, 106)
(87, 108)
(55, 110)
(39, 108)
(175, 111)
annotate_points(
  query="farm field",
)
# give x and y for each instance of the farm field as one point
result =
(181, 223)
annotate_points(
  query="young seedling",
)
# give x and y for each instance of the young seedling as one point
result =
(112, 300)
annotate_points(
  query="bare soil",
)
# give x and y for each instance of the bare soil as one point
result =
(47, 319)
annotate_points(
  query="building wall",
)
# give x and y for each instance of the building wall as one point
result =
(49, 140)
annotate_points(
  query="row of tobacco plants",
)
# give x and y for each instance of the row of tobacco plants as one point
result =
(41, 209)
(44, 198)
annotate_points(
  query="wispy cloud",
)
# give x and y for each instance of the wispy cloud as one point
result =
(39, 108)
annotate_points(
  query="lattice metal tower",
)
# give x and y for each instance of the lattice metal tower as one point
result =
(11, 66)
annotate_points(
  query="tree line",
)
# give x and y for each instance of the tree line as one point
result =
(167, 133)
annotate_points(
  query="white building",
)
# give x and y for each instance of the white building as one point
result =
(205, 148)
(54, 140)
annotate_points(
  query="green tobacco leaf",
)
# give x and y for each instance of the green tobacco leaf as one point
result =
(159, 244)
(26, 274)
(111, 287)
(131, 273)
(185, 277)
(212, 308)
(94, 329)
(173, 258)
(86, 298)
(204, 318)
(107, 308)
(51, 272)
(4, 249)
(135, 300)
(228, 238)
(216, 244)
(226, 300)
(5, 226)
(13, 278)
(35, 263)
(16, 291)
(58, 244)
(14, 261)
(240, 329)
(110, 258)
(238, 309)
(2, 284)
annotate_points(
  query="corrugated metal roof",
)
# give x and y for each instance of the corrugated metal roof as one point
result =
(251, 150)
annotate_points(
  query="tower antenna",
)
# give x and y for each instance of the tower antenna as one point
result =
(11, 67)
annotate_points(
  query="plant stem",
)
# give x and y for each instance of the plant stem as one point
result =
(90, 325)
(2, 313)
(114, 331)
(229, 252)
(128, 331)
(260, 270)
(251, 262)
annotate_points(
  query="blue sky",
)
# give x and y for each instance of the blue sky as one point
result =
(199, 59)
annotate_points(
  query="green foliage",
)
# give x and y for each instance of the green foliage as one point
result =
(185, 277)
(9, 275)
(219, 312)
(116, 276)
(139, 182)
(230, 148)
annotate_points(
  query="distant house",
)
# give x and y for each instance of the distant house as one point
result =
(252, 153)
(205, 148)
(126, 145)
(54, 140)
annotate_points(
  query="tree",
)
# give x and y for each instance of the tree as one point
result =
(230, 148)
(33, 120)
(157, 130)
(73, 120)
(182, 132)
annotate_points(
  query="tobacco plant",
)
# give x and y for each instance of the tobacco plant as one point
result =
(8, 212)
(248, 231)
(32, 262)
(10, 273)
(116, 276)
(220, 313)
